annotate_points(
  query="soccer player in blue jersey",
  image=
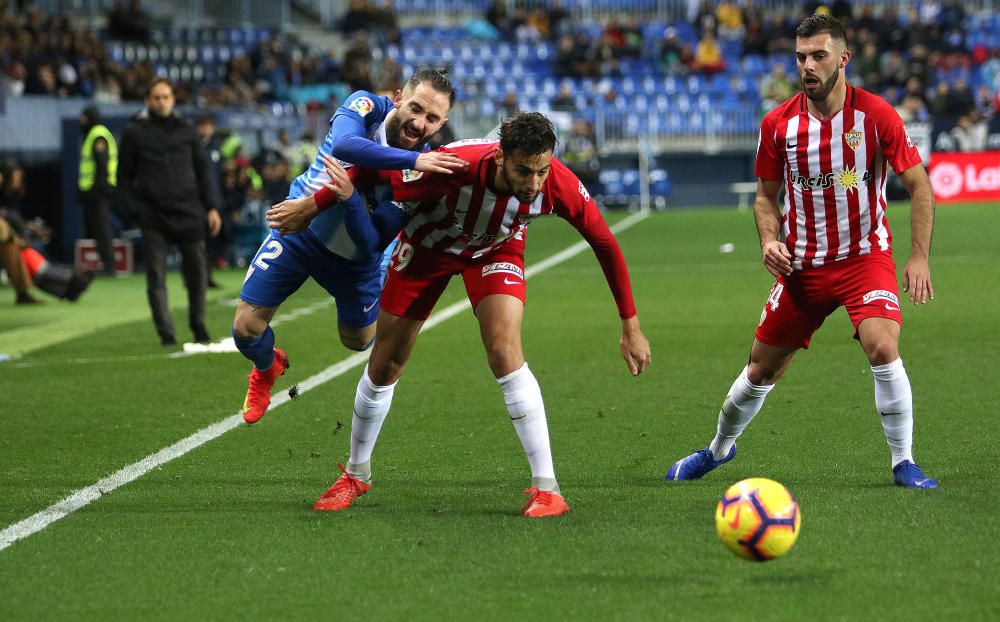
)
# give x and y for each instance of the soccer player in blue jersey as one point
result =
(369, 131)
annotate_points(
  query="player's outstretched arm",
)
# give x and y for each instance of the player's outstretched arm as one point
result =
(917, 273)
(767, 215)
(440, 162)
(634, 346)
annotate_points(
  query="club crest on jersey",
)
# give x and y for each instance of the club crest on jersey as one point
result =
(853, 139)
(583, 191)
(880, 294)
(524, 219)
(362, 106)
(411, 175)
(503, 266)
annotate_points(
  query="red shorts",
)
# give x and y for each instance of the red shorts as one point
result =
(417, 276)
(798, 303)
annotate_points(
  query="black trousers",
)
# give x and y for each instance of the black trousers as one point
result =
(156, 245)
(97, 224)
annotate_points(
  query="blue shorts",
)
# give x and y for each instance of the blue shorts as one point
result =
(282, 265)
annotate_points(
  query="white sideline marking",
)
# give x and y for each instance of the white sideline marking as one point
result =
(81, 498)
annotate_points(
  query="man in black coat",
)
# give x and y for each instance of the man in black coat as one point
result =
(163, 169)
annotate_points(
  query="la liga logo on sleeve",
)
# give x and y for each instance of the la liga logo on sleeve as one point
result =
(362, 106)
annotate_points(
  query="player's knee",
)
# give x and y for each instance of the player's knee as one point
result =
(504, 357)
(882, 351)
(357, 339)
(355, 342)
(248, 327)
(384, 373)
(762, 375)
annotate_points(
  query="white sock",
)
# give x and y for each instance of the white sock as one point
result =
(894, 402)
(371, 405)
(523, 398)
(741, 405)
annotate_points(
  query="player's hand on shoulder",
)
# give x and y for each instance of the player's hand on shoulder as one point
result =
(440, 162)
(777, 259)
(291, 215)
(635, 347)
(917, 281)
(340, 181)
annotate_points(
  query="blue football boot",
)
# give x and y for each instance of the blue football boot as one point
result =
(909, 475)
(697, 464)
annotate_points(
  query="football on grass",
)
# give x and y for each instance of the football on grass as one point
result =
(758, 519)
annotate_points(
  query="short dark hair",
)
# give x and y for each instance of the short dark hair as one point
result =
(531, 133)
(437, 78)
(821, 23)
(158, 80)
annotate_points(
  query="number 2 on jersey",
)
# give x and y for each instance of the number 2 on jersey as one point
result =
(273, 250)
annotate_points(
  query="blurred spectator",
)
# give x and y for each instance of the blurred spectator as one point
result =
(755, 40)
(913, 110)
(918, 64)
(97, 179)
(580, 152)
(777, 29)
(559, 19)
(970, 132)
(705, 20)
(509, 106)
(357, 64)
(497, 16)
(730, 20)
(216, 246)
(128, 23)
(674, 56)
(606, 54)
(929, 11)
(984, 101)
(891, 33)
(358, 16)
(939, 101)
(534, 28)
(775, 87)
(707, 56)
(841, 9)
(990, 71)
(960, 99)
(564, 100)
(867, 66)
(893, 68)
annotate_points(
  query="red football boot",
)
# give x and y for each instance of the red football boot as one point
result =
(344, 491)
(544, 503)
(259, 394)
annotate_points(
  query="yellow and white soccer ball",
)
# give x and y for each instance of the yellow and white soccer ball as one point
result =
(758, 519)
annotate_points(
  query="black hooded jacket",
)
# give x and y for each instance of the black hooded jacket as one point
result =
(163, 170)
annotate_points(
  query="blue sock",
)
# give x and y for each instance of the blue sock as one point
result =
(259, 350)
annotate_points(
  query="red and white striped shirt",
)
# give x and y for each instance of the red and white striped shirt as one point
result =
(834, 172)
(463, 214)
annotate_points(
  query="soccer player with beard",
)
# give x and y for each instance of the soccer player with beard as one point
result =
(369, 131)
(829, 246)
(473, 224)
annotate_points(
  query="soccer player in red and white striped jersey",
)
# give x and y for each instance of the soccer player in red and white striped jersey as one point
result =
(474, 225)
(830, 147)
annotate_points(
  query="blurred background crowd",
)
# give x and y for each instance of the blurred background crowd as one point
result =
(621, 77)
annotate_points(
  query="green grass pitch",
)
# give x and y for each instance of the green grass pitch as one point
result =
(227, 532)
